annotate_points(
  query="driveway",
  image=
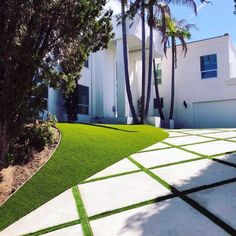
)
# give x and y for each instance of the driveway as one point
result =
(185, 185)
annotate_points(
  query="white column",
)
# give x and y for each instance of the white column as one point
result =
(120, 76)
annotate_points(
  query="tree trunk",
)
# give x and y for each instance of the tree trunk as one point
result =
(157, 92)
(142, 119)
(172, 79)
(149, 67)
(126, 65)
(3, 141)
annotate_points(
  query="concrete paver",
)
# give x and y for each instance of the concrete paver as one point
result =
(168, 217)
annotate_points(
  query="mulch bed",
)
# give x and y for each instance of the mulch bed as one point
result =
(14, 176)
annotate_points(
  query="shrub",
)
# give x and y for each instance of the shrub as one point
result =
(34, 137)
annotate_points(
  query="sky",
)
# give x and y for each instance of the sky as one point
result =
(213, 19)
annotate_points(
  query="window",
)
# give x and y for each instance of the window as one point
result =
(209, 66)
(86, 64)
(155, 103)
(45, 96)
(83, 97)
(159, 73)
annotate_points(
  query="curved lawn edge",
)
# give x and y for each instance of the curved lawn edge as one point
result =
(83, 151)
(51, 154)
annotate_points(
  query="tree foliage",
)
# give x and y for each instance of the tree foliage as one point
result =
(35, 37)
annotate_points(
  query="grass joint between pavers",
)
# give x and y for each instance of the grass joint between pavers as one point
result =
(87, 230)
(226, 227)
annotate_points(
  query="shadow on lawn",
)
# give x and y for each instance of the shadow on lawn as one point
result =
(109, 127)
(175, 217)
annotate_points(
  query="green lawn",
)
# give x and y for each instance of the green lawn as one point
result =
(84, 150)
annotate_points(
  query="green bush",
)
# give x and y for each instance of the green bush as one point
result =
(34, 137)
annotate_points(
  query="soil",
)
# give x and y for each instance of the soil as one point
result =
(14, 176)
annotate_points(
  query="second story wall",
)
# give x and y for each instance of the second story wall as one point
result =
(196, 83)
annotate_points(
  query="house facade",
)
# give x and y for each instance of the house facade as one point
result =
(101, 88)
(205, 87)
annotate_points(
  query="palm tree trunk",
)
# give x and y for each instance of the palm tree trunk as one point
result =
(142, 120)
(172, 79)
(126, 65)
(3, 141)
(157, 92)
(149, 66)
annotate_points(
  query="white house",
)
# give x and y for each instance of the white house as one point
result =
(102, 91)
(205, 88)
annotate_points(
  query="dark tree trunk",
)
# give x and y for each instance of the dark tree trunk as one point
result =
(149, 67)
(126, 65)
(172, 101)
(142, 119)
(3, 141)
(157, 93)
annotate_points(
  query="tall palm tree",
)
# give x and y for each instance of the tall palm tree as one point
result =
(176, 30)
(139, 6)
(126, 63)
(143, 96)
(160, 6)
(155, 20)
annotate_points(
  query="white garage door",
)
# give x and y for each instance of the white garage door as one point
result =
(217, 114)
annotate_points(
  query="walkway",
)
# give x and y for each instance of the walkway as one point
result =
(185, 185)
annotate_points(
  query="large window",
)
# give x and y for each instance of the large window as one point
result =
(83, 106)
(159, 73)
(209, 66)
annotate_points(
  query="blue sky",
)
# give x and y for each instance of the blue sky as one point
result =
(212, 20)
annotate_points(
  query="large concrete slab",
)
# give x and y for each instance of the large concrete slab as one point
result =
(212, 148)
(59, 210)
(186, 140)
(200, 131)
(160, 157)
(155, 146)
(229, 134)
(170, 217)
(118, 192)
(233, 139)
(74, 230)
(120, 167)
(220, 201)
(229, 158)
(176, 134)
(195, 174)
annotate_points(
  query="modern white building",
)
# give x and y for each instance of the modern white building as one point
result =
(102, 91)
(205, 88)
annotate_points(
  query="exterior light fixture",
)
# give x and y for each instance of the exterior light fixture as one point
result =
(185, 104)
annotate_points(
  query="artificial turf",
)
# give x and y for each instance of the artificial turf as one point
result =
(84, 150)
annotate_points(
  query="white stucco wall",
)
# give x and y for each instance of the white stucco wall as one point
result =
(191, 88)
(106, 80)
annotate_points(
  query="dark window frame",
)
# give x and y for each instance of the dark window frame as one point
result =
(159, 73)
(209, 66)
(83, 100)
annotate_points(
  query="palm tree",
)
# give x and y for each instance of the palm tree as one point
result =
(143, 96)
(176, 30)
(162, 8)
(157, 20)
(126, 64)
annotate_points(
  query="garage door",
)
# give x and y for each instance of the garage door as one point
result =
(216, 114)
